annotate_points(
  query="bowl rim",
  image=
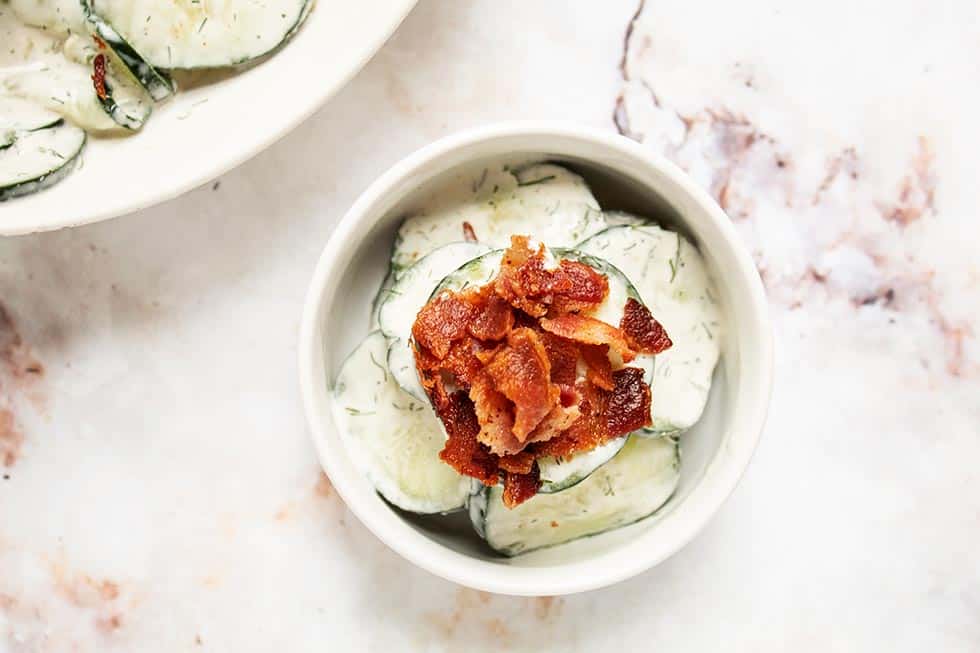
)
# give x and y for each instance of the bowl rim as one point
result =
(379, 27)
(604, 568)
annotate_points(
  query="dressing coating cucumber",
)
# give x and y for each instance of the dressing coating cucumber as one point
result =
(196, 34)
(561, 473)
(633, 485)
(545, 201)
(673, 280)
(38, 159)
(157, 83)
(394, 440)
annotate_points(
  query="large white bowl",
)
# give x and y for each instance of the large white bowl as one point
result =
(208, 129)
(623, 175)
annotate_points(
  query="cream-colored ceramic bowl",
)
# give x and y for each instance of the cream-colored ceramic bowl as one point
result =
(623, 175)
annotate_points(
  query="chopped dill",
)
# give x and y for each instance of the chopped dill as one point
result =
(534, 182)
(675, 262)
(478, 183)
(357, 413)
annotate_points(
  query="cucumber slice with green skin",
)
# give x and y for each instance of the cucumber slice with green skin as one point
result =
(559, 474)
(125, 100)
(474, 273)
(193, 34)
(630, 487)
(543, 200)
(383, 292)
(17, 115)
(38, 159)
(67, 89)
(673, 280)
(157, 83)
(394, 440)
(406, 297)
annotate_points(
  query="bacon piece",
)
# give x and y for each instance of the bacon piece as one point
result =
(564, 355)
(627, 407)
(521, 271)
(587, 432)
(527, 284)
(521, 371)
(599, 368)
(643, 332)
(428, 367)
(517, 463)
(518, 488)
(496, 417)
(577, 287)
(468, 234)
(606, 415)
(442, 321)
(493, 320)
(589, 331)
(555, 422)
(463, 451)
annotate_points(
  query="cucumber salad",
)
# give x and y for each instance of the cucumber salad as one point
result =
(532, 359)
(70, 68)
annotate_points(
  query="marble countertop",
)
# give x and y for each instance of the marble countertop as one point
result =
(159, 491)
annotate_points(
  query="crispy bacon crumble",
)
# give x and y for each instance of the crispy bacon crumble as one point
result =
(501, 365)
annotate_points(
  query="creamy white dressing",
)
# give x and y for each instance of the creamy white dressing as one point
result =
(393, 439)
(545, 201)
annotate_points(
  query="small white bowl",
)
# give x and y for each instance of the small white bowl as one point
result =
(623, 175)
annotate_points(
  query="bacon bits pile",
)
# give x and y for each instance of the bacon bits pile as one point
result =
(518, 370)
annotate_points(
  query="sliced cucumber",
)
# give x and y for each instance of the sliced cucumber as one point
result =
(673, 281)
(125, 100)
(380, 298)
(196, 34)
(631, 486)
(157, 83)
(38, 159)
(17, 115)
(67, 89)
(406, 297)
(559, 474)
(545, 201)
(394, 440)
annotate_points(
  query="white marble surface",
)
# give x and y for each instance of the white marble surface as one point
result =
(159, 492)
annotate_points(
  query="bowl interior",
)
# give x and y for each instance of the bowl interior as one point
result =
(619, 182)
